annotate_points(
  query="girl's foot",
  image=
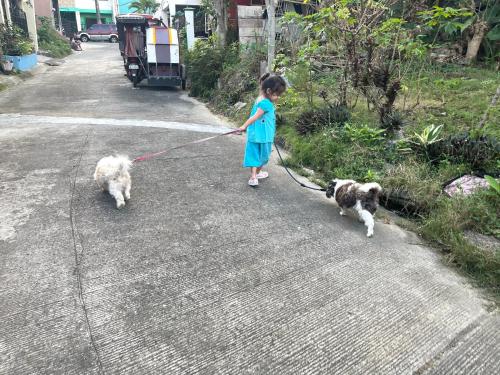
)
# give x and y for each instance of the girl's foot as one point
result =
(262, 174)
(253, 182)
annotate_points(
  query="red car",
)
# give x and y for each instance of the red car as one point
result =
(99, 32)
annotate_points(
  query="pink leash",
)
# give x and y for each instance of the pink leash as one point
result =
(155, 154)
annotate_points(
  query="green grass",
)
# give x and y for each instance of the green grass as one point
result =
(2, 87)
(446, 225)
(454, 96)
(57, 48)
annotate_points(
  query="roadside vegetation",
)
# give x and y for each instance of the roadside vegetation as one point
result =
(50, 41)
(385, 91)
(13, 42)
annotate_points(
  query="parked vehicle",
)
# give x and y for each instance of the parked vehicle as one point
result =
(99, 32)
(150, 51)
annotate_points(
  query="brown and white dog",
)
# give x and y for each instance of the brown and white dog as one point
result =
(363, 198)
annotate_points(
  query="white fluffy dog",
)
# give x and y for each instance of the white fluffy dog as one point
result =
(363, 198)
(111, 174)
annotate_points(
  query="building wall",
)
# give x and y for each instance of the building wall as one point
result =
(90, 4)
(250, 24)
(67, 4)
(43, 8)
(80, 14)
(4, 11)
(167, 7)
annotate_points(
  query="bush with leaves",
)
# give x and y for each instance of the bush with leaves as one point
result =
(315, 119)
(480, 152)
(205, 63)
(240, 76)
(371, 49)
(50, 41)
(14, 42)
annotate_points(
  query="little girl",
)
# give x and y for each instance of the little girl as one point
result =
(261, 127)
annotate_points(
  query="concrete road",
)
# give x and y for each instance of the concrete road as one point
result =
(199, 273)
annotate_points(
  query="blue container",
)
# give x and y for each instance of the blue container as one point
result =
(23, 63)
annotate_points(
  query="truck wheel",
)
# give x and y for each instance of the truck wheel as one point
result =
(113, 39)
(183, 84)
(84, 38)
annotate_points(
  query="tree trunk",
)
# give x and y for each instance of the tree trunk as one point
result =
(98, 12)
(221, 15)
(271, 32)
(479, 30)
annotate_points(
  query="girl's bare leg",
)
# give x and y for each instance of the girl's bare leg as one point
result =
(254, 172)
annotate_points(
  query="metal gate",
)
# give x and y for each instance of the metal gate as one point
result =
(18, 16)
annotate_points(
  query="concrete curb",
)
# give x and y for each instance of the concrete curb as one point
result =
(14, 80)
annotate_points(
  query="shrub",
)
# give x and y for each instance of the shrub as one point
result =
(479, 152)
(13, 41)
(364, 135)
(205, 63)
(50, 40)
(240, 76)
(313, 120)
(392, 121)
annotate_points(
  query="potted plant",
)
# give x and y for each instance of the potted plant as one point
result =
(17, 49)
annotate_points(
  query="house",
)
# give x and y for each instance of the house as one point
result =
(171, 10)
(22, 14)
(78, 15)
(4, 11)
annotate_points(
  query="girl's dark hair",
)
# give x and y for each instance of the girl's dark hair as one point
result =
(272, 84)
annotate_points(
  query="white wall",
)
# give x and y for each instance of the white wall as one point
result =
(170, 5)
(5, 17)
(90, 4)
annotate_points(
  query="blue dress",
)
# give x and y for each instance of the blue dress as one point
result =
(260, 135)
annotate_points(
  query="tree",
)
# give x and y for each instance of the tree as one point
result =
(220, 7)
(98, 12)
(486, 17)
(370, 50)
(476, 20)
(144, 6)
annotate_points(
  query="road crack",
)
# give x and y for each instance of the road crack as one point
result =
(78, 242)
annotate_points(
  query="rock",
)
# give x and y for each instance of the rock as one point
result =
(482, 241)
(239, 105)
(54, 62)
(465, 185)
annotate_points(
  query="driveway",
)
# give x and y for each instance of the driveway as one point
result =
(199, 273)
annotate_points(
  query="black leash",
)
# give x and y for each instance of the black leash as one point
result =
(297, 181)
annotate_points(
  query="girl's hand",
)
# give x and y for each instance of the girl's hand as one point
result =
(242, 129)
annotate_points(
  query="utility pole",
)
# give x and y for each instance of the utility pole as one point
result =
(271, 33)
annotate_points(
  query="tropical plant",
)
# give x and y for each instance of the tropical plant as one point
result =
(422, 141)
(428, 136)
(144, 6)
(479, 19)
(478, 151)
(494, 184)
(13, 41)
